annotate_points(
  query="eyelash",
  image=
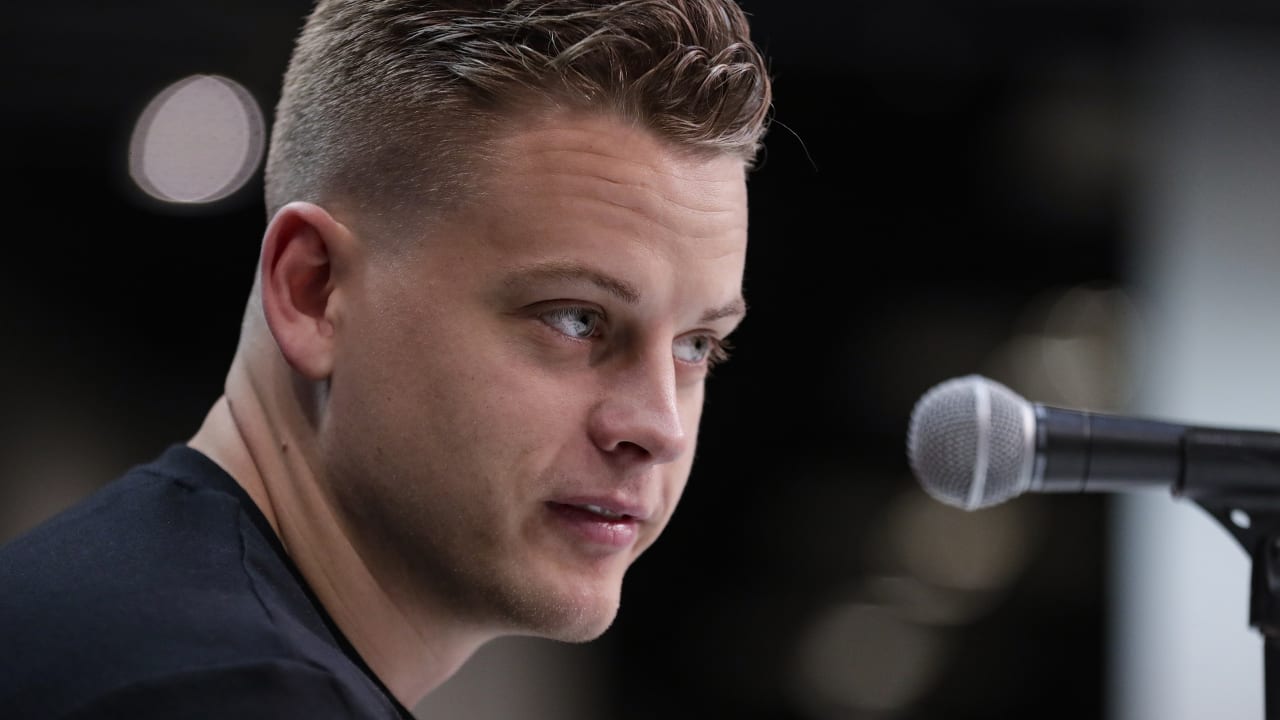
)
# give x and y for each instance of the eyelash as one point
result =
(717, 354)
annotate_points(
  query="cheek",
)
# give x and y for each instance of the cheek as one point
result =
(478, 416)
(690, 402)
(676, 485)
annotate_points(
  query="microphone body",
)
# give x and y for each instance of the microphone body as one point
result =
(1095, 452)
(974, 443)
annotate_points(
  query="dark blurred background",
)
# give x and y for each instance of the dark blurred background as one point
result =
(950, 186)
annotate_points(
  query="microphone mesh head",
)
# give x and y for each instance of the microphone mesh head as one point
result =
(971, 442)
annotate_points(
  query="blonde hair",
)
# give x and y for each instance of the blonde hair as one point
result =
(393, 104)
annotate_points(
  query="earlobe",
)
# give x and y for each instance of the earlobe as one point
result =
(297, 283)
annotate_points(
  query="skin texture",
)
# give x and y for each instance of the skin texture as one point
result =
(415, 423)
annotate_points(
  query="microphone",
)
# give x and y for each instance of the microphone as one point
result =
(973, 443)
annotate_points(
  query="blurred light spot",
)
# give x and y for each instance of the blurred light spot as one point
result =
(39, 478)
(1075, 348)
(1241, 519)
(1067, 144)
(1099, 327)
(198, 141)
(862, 657)
(953, 548)
(1076, 138)
(915, 601)
(521, 677)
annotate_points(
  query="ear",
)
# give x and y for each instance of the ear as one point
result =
(301, 254)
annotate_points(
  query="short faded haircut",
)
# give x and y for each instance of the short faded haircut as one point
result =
(394, 105)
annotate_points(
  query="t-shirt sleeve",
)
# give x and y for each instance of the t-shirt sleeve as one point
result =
(269, 690)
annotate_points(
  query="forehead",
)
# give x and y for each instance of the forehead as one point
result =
(622, 150)
(592, 176)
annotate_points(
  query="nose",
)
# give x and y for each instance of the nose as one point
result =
(638, 419)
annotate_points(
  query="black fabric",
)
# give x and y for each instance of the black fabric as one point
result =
(167, 595)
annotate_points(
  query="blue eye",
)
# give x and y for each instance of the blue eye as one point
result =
(576, 322)
(697, 349)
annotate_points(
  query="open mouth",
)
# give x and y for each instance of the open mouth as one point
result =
(599, 529)
(603, 512)
(592, 512)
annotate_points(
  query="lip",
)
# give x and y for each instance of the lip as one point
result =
(593, 531)
(614, 504)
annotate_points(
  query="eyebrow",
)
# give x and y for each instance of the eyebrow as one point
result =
(621, 289)
(734, 308)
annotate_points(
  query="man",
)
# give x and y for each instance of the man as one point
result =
(505, 245)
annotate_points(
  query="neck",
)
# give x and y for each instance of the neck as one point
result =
(258, 433)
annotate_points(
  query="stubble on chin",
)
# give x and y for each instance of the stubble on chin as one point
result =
(567, 616)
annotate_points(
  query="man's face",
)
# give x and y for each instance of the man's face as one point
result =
(514, 406)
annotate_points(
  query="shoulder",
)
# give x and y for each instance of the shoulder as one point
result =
(144, 551)
(158, 582)
(268, 690)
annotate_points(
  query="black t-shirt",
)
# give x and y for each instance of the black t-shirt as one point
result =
(166, 594)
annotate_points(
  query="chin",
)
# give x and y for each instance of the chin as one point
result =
(573, 617)
(580, 632)
(590, 626)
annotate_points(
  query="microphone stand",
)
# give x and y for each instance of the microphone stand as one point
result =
(1232, 476)
(1258, 532)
